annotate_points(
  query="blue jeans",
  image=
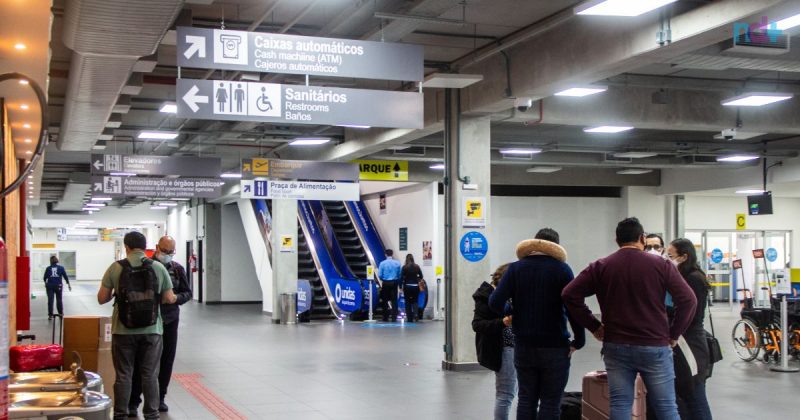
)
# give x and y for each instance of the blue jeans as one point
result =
(542, 374)
(655, 366)
(505, 383)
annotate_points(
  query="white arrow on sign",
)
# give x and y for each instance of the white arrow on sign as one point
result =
(198, 45)
(192, 98)
(98, 186)
(97, 165)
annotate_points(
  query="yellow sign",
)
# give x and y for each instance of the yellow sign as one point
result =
(287, 243)
(439, 270)
(741, 221)
(43, 246)
(370, 272)
(472, 215)
(260, 167)
(383, 170)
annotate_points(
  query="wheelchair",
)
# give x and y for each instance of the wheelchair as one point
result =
(759, 330)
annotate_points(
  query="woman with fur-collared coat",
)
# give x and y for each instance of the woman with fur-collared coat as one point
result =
(543, 345)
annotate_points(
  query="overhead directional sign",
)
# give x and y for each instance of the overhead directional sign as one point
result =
(299, 169)
(295, 104)
(165, 188)
(291, 54)
(300, 190)
(383, 170)
(156, 165)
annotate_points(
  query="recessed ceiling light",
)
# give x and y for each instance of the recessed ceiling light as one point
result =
(364, 127)
(788, 23)
(520, 151)
(757, 99)
(437, 166)
(94, 205)
(28, 141)
(26, 125)
(750, 192)
(30, 196)
(158, 207)
(166, 203)
(543, 169)
(620, 7)
(24, 82)
(20, 46)
(634, 171)
(102, 198)
(579, 92)
(30, 182)
(28, 152)
(230, 175)
(309, 141)
(635, 155)
(169, 108)
(607, 129)
(122, 174)
(737, 158)
(157, 135)
(24, 106)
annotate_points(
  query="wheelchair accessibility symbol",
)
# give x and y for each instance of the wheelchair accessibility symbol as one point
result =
(262, 102)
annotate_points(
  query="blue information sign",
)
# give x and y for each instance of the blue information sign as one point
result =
(473, 246)
(716, 255)
(772, 254)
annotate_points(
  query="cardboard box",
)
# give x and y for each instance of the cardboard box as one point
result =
(90, 336)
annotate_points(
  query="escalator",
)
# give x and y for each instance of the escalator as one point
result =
(347, 237)
(306, 270)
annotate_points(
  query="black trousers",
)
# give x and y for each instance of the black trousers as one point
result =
(411, 294)
(54, 291)
(170, 339)
(389, 294)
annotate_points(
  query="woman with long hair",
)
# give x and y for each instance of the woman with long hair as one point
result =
(692, 354)
(410, 277)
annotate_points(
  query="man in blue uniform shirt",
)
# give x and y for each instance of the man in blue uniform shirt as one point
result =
(52, 281)
(389, 273)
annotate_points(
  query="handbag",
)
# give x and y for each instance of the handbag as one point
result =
(714, 349)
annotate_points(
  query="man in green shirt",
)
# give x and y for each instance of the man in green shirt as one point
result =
(131, 344)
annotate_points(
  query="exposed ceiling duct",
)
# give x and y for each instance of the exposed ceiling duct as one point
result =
(107, 39)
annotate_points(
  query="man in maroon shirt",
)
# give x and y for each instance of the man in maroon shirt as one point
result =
(637, 338)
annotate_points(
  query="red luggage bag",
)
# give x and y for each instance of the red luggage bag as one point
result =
(35, 357)
(597, 399)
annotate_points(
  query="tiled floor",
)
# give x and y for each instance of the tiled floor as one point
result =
(350, 371)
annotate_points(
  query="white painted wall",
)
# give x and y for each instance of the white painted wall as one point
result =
(258, 252)
(91, 258)
(183, 227)
(650, 208)
(239, 280)
(414, 207)
(720, 213)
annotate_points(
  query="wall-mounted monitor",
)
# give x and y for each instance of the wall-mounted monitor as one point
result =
(760, 204)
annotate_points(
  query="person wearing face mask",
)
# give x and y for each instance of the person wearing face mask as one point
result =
(165, 252)
(691, 355)
(654, 244)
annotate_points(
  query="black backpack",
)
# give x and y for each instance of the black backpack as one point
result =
(138, 295)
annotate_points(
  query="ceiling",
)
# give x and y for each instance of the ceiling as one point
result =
(661, 121)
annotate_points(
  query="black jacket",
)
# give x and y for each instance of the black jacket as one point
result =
(182, 289)
(488, 327)
(695, 337)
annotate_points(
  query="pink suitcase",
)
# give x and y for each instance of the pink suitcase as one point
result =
(596, 398)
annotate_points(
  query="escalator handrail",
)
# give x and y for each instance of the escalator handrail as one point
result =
(369, 237)
(335, 251)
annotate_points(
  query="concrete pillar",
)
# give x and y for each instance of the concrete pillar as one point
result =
(468, 149)
(284, 262)
(212, 279)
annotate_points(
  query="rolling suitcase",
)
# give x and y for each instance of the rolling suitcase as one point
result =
(33, 357)
(596, 398)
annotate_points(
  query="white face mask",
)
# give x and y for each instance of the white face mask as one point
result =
(654, 252)
(164, 258)
(676, 263)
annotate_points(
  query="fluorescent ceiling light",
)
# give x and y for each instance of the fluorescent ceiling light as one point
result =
(635, 155)
(150, 222)
(520, 151)
(24, 82)
(620, 7)
(90, 209)
(750, 192)
(181, 199)
(24, 106)
(26, 125)
(158, 207)
(157, 135)
(757, 99)
(437, 166)
(166, 203)
(20, 46)
(122, 174)
(230, 175)
(94, 205)
(364, 127)
(634, 171)
(102, 198)
(28, 152)
(737, 158)
(582, 91)
(607, 129)
(788, 23)
(28, 141)
(309, 141)
(543, 169)
(169, 108)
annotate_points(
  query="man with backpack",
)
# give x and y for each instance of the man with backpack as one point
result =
(139, 286)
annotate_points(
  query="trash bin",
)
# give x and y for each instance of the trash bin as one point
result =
(288, 303)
